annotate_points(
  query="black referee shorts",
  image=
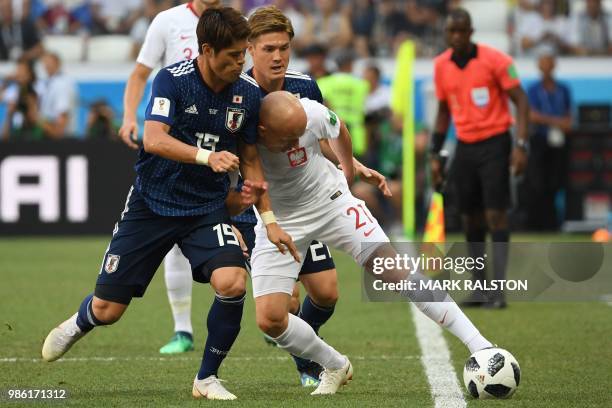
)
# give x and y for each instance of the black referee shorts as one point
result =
(482, 174)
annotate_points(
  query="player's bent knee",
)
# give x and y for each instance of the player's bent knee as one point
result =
(394, 275)
(229, 282)
(328, 297)
(231, 289)
(272, 324)
(106, 311)
(272, 314)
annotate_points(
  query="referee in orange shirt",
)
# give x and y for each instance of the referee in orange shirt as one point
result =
(473, 83)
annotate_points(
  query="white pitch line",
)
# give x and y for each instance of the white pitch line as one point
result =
(198, 358)
(436, 361)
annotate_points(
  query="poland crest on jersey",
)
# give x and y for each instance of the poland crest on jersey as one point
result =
(233, 119)
(297, 157)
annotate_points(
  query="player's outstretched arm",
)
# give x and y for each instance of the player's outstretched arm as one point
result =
(518, 159)
(156, 140)
(343, 148)
(252, 169)
(438, 137)
(134, 89)
(372, 177)
(364, 173)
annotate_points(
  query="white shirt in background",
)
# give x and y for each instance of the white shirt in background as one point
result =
(171, 37)
(57, 95)
(379, 99)
(534, 26)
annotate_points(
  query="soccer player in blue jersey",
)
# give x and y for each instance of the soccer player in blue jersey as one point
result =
(270, 48)
(200, 123)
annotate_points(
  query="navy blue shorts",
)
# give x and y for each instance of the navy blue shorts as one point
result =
(318, 258)
(142, 239)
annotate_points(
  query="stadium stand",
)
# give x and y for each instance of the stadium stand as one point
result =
(71, 48)
(109, 48)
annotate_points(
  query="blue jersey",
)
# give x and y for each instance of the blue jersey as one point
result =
(301, 85)
(199, 117)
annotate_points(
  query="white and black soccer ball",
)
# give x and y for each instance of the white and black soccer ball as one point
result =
(491, 373)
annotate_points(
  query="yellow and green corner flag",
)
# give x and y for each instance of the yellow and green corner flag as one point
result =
(434, 226)
(402, 104)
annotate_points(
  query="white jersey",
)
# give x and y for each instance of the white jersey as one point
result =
(302, 180)
(311, 201)
(171, 37)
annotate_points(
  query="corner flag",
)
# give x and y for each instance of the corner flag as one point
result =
(402, 104)
(434, 226)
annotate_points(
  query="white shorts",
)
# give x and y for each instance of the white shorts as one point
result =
(346, 225)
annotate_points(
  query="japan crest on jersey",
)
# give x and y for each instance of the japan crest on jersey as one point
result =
(112, 262)
(233, 119)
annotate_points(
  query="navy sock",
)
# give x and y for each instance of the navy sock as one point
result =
(500, 255)
(86, 320)
(315, 315)
(223, 327)
(477, 245)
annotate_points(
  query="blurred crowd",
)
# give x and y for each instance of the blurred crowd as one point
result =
(581, 28)
(370, 27)
(41, 101)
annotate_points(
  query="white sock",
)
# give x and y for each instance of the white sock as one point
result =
(301, 340)
(448, 315)
(178, 284)
(442, 309)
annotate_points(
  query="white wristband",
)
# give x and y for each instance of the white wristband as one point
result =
(202, 157)
(268, 217)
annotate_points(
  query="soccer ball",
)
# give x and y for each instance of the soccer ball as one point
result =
(491, 373)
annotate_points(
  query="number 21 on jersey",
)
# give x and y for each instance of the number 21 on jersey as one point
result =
(363, 218)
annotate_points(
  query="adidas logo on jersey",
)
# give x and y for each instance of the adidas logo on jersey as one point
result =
(192, 109)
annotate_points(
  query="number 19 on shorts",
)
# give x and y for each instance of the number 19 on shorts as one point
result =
(225, 235)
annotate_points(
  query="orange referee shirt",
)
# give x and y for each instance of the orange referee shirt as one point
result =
(476, 94)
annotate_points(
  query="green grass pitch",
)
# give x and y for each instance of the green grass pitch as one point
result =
(565, 349)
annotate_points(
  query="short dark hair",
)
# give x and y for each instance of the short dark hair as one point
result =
(460, 14)
(221, 27)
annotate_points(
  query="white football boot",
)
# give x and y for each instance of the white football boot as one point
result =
(211, 388)
(332, 380)
(60, 339)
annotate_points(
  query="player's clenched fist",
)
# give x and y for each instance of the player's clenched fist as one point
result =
(251, 191)
(129, 133)
(223, 161)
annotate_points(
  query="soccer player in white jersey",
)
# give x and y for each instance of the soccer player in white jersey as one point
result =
(270, 48)
(311, 200)
(170, 38)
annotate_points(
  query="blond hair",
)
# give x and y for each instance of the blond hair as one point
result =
(269, 19)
